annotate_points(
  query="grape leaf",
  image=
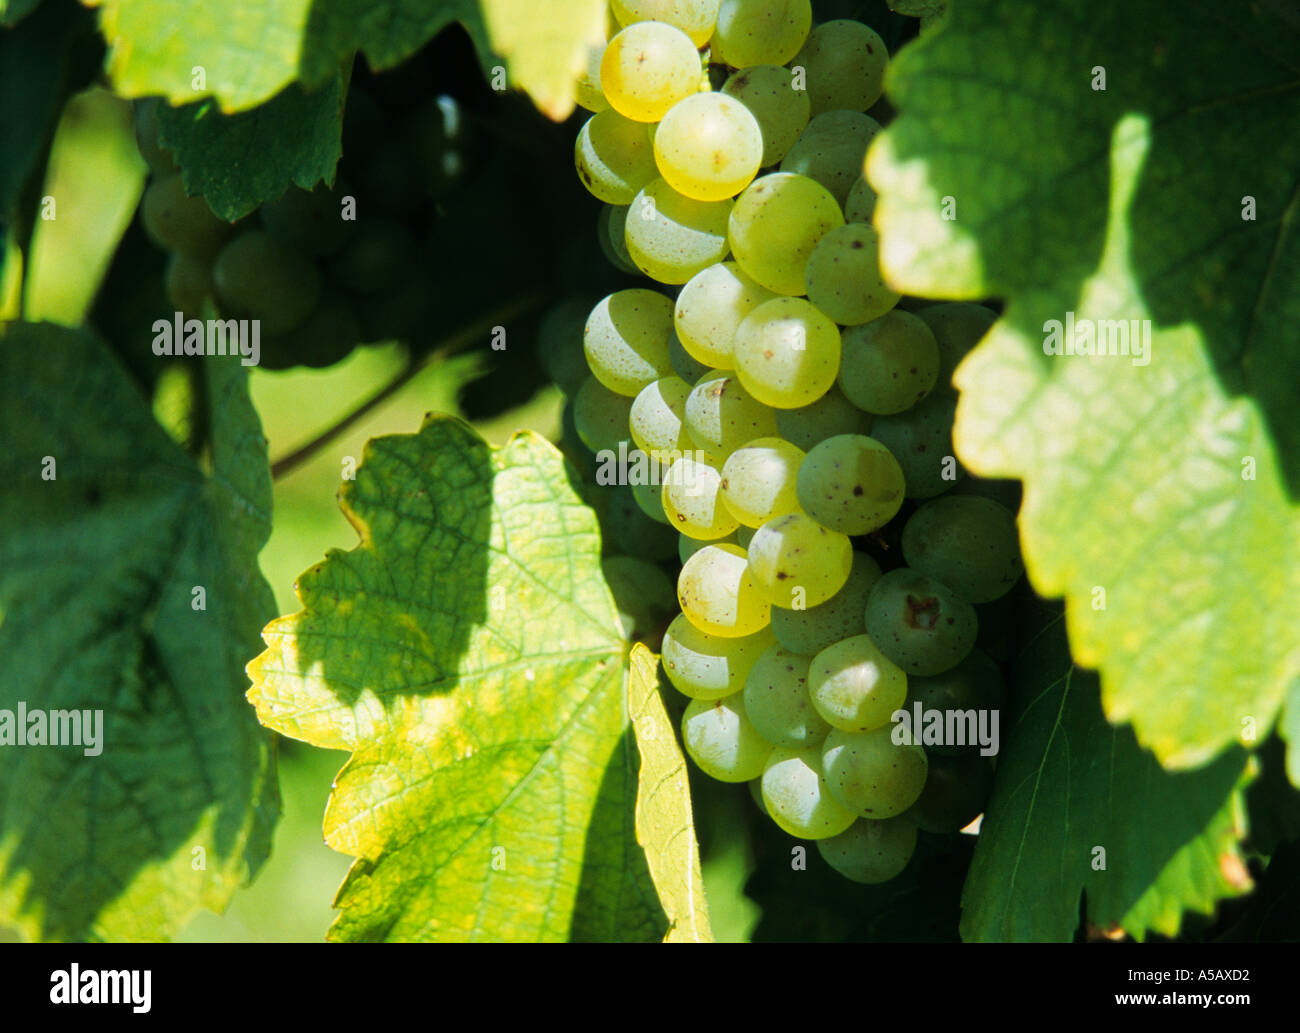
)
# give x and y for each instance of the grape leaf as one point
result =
(1159, 497)
(297, 138)
(546, 46)
(13, 11)
(468, 654)
(664, 826)
(1078, 806)
(100, 568)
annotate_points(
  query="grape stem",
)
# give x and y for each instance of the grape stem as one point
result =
(457, 341)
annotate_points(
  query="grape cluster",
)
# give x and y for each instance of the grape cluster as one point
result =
(794, 417)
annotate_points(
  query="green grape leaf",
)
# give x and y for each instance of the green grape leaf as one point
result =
(129, 587)
(1079, 807)
(13, 11)
(1161, 471)
(546, 46)
(296, 138)
(468, 654)
(664, 825)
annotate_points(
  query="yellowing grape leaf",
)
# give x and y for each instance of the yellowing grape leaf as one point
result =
(1162, 469)
(546, 46)
(468, 654)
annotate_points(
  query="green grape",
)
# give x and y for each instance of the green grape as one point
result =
(710, 307)
(721, 416)
(889, 364)
(707, 667)
(696, 18)
(717, 593)
(957, 327)
(809, 631)
(626, 339)
(871, 851)
(649, 496)
(797, 796)
(957, 789)
(780, 110)
(860, 205)
(685, 365)
(626, 529)
(760, 32)
(688, 546)
(830, 415)
(969, 541)
(376, 256)
(708, 147)
(854, 686)
(656, 420)
(693, 502)
(850, 483)
(870, 774)
(642, 592)
(587, 91)
(614, 157)
(257, 278)
(795, 562)
(611, 235)
(787, 353)
(920, 623)
(844, 62)
(189, 282)
(670, 238)
(327, 336)
(775, 225)
(719, 737)
(831, 150)
(177, 222)
(920, 438)
(758, 480)
(844, 278)
(559, 338)
(600, 416)
(647, 68)
(158, 158)
(776, 700)
(309, 221)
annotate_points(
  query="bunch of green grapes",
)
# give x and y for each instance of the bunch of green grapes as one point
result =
(800, 416)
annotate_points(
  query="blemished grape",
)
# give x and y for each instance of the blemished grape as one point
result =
(956, 792)
(626, 339)
(647, 68)
(797, 796)
(844, 278)
(888, 364)
(688, 546)
(854, 686)
(670, 237)
(656, 420)
(376, 255)
(775, 225)
(559, 339)
(920, 438)
(851, 484)
(704, 666)
(760, 32)
(780, 110)
(870, 774)
(696, 18)
(807, 632)
(611, 235)
(717, 593)
(719, 737)
(920, 623)
(861, 202)
(973, 685)
(830, 415)
(177, 222)
(692, 500)
(721, 416)
(758, 480)
(968, 541)
(256, 277)
(871, 851)
(642, 592)
(777, 701)
(309, 221)
(786, 353)
(614, 157)
(708, 147)
(795, 561)
(189, 282)
(844, 63)
(831, 150)
(709, 308)
(600, 416)
(957, 327)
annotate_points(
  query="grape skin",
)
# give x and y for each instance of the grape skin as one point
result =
(760, 32)
(811, 630)
(889, 364)
(850, 483)
(786, 353)
(719, 737)
(708, 667)
(775, 225)
(870, 774)
(758, 480)
(844, 278)
(710, 307)
(871, 851)
(844, 62)
(795, 561)
(920, 623)
(670, 237)
(708, 147)
(968, 541)
(781, 111)
(647, 68)
(626, 340)
(716, 592)
(777, 700)
(796, 794)
(854, 686)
